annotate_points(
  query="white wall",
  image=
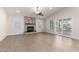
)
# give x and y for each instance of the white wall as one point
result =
(16, 25)
(47, 26)
(39, 25)
(3, 23)
(67, 12)
(15, 28)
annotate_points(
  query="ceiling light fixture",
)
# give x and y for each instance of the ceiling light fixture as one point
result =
(38, 11)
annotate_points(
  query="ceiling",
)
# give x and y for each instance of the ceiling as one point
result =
(30, 11)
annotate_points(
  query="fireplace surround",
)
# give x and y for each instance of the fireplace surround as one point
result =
(30, 24)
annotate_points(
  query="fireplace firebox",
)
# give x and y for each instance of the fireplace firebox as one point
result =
(30, 29)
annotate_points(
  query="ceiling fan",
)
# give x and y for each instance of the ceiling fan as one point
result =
(38, 13)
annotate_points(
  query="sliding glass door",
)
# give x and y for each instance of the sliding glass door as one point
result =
(67, 26)
(63, 26)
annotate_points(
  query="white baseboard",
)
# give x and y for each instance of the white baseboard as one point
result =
(16, 33)
(3, 37)
(72, 37)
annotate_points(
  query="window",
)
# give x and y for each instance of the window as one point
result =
(51, 24)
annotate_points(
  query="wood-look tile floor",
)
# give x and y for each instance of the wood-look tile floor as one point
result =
(38, 42)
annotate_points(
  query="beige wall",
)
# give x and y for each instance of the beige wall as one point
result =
(3, 23)
(72, 12)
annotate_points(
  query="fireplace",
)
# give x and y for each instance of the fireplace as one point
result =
(30, 29)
